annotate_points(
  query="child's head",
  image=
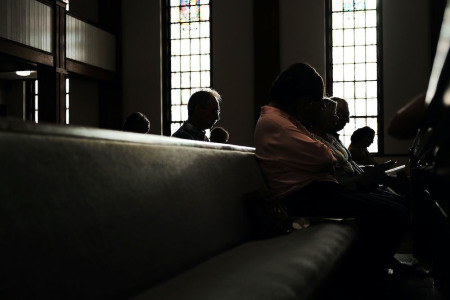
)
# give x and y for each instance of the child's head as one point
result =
(219, 135)
(137, 122)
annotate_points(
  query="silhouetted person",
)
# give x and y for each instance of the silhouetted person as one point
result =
(325, 131)
(219, 135)
(322, 131)
(408, 119)
(300, 175)
(343, 114)
(203, 113)
(137, 122)
(360, 140)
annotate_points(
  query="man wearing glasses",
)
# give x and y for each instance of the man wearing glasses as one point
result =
(203, 113)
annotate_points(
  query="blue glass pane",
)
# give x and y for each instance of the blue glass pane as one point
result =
(360, 5)
(348, 5)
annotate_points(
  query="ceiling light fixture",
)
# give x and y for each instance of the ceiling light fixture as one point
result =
(23, 73)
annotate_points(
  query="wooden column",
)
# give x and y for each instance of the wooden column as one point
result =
(52, 87)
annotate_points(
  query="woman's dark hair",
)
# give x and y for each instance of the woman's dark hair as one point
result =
(299, 80)
(362, 132)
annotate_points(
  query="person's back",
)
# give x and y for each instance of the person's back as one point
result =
(278, 132)
(203, 113)
(137, 122)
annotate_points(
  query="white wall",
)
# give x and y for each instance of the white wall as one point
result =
(407, 63)
(232, 33)
(302, 28)
(141, 60)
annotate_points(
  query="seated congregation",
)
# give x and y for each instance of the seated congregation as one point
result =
(101, 214)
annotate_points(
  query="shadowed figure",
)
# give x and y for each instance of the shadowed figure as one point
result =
(299, 170)
(219, 135)
(137, 122)
(361, 139)
(203, 113)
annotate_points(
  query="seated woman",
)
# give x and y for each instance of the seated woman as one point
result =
(360, 140)
(322, 130)
(299, 169)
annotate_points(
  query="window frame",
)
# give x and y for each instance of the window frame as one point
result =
(329, 68)
(166, 86)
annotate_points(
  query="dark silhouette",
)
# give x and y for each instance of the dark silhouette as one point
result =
(325, 131)
(322, 130)
(137, 122)
(360, 140)
(203, 113)
(343, 114)
(408, 119)
(219, 135)
(299, 170)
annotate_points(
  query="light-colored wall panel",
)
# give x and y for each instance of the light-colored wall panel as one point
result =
(141, 61)
(89, 44)
(302, 33)
(407, 64)
(27, 22)
(233, 68)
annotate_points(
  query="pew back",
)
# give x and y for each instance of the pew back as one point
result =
(102, 212)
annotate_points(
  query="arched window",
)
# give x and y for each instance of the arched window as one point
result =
(354, 63)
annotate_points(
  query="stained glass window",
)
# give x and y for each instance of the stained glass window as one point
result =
(353, 56)
(190, 54)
